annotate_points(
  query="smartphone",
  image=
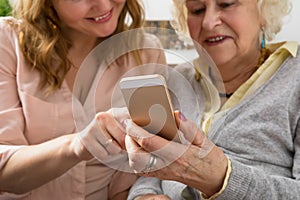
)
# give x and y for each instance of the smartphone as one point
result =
(149, 104)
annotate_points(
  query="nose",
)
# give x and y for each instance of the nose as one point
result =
(211, 19)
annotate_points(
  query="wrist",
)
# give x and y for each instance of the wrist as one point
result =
(77, 149)
(225, 182)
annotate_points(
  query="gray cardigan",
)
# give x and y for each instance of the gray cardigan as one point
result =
(261, 135)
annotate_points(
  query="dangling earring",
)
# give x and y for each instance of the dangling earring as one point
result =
(51, 17)
(53, 26)
(263, 40)
(264, 54)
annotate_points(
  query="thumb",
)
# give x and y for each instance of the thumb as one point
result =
(193, 134)
(189, 129)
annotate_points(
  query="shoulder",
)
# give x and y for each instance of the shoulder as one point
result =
(8, 44)
(186, 69)
(9, 24)
(293, 63)
(188, 72)
(9, 28)
(298, 54)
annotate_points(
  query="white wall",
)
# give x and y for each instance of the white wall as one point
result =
(161, 10)
(158, 9)
(290, 31)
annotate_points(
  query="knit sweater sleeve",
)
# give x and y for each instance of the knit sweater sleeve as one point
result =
(249, 183)
(145, 185)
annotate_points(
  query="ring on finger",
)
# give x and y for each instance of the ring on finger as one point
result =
(107, 142)
(151, 163)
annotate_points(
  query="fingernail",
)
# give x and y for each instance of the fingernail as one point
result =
(125, 123)
(181, 116)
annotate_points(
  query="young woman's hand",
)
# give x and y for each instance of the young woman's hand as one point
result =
(103, 137)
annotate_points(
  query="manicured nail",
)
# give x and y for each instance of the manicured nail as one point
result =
(181, 116)
(125, 123)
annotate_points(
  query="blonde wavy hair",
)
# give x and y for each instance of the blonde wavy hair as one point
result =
(272, 12)
(43, 43)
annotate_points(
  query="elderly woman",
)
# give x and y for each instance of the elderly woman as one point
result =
(248, 143)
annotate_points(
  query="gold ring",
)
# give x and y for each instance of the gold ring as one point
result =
(105, 145)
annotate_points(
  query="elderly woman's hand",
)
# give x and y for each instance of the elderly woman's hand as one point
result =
(199, 164)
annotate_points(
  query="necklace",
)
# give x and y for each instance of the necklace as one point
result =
(225, 95)
(265, 53)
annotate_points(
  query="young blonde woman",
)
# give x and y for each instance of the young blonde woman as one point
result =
(47, 126)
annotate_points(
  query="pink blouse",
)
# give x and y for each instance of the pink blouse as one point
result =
(27, 117)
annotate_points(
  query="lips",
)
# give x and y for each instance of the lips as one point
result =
(216, 39)
(103, 18)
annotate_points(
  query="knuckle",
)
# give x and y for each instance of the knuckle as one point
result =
(145, 142)
(101, 115)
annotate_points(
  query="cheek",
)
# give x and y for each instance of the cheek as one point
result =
(78, 12)
(245, 28)
(120, 1)
(67, 17)
(246, 33)
(194, 26)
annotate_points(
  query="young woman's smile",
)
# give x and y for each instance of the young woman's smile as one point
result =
(97, 19)
(103, 17)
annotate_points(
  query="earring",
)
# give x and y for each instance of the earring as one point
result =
(54, 27)
(50, 17)
(264, 54)
(263, 41)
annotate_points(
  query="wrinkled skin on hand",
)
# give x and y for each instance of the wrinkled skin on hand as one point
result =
(199, 164)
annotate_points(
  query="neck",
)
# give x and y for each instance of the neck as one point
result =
(232, 84)
(234, 74)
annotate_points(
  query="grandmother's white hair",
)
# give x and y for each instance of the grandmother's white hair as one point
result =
(272, 12)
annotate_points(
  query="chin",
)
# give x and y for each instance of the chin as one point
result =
(107, 30)
(105, 34)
